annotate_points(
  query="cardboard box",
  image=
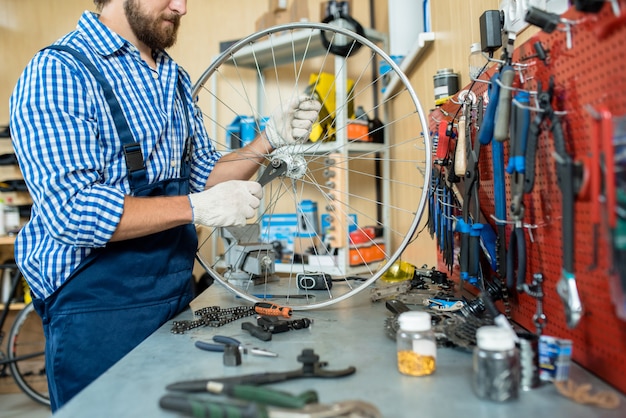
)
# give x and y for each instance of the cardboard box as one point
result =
(278, 5)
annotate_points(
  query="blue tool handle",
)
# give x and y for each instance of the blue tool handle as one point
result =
(485, 134)
(222, 339)
(520, 122)
(209, 347)
(488, 241)
(503, 113)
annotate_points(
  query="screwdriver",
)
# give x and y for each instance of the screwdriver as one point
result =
(271, 309)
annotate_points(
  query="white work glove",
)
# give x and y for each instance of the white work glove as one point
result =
(226, 204)
(292, 124)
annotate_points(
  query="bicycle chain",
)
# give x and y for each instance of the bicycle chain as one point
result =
(212, 316)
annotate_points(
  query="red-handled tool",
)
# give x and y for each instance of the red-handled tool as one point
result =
(271, 309)
(443, 145)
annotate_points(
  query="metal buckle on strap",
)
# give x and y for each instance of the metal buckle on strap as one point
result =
(134, 157)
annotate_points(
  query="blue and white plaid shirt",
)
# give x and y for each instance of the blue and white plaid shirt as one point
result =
(70, 153)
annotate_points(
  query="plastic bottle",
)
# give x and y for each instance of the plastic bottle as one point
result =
(11, 218)
(416, 344)
(496, 366)
(476, 61)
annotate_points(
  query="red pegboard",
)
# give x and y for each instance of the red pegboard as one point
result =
(588, 75)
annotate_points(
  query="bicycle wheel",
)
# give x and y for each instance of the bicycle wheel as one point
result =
(26, 349)
(366, 166)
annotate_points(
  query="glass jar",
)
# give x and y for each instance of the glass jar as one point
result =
(496, 374)
(416, 344)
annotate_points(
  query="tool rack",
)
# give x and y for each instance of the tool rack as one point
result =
(588, 70)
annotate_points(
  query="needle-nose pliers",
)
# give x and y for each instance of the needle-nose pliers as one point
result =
(221, 341)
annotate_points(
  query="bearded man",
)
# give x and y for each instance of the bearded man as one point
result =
(120, 169)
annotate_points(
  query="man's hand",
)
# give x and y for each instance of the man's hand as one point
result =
(226, 204)
(293, 123)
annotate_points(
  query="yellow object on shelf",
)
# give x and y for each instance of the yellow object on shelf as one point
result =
(27, 297)
(323, 86)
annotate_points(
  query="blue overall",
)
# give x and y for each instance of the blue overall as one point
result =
(121, 293)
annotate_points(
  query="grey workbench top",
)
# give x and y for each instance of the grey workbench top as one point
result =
(350, 333)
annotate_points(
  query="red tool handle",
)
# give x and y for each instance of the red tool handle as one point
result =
(443, 145)
(271, 309)
(606, 130)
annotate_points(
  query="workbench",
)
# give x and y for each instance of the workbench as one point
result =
(350, 333)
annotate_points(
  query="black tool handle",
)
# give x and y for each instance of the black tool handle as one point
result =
(531, 152)
(211, 409)
(256, 331)
(396, 306)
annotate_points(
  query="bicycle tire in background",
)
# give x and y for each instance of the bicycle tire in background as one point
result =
(26, 346)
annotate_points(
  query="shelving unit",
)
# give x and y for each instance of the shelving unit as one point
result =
(424, 41)
(14, 198)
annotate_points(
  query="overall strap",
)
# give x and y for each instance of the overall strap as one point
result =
(132, 150)
(185, 163)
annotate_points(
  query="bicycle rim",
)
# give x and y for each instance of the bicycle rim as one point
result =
(368, 180)
(26, 347)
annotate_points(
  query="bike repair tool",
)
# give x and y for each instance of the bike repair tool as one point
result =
(485, 136)
(535, 290)
(274, 325)
(256, 331)
(516, 255)
(503, 112)
(275, 168)
(311, 367)
(566, 286)
(223, 341)
(214, 316)
(198, 408)
(469, 224)
(259, 395)
(276, 296)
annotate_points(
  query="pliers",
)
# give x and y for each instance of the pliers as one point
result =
(223, 341)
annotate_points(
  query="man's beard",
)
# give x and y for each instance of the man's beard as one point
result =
(150, 30)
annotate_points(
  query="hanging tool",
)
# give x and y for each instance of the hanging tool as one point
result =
(535, 290)
(516, 254)
(223, 341)
(485, 135)
(566, 286)
(311, 367)
(469, 224)
(503, 111)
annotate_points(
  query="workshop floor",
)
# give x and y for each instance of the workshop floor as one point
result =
(17, 405)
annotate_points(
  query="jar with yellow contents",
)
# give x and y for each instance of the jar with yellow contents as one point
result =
(416, 344)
